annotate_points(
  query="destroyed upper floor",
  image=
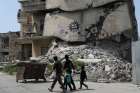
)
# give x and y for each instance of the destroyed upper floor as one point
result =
(65, 5)
(110, 17)
(32, 5)
(76, 21)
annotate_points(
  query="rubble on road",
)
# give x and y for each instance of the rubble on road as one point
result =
(110, 71)
(105, 65)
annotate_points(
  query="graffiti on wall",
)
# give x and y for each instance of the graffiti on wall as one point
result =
(74, 26)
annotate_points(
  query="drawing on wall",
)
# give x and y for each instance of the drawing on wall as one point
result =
(74, 26)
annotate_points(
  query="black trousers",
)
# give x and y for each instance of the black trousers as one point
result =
(73, 84)
(82, 83)
(67, 84)
(57, 78)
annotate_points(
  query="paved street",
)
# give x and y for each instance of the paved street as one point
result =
(8, 85)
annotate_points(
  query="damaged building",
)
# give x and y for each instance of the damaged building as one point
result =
(92, 21)
(8, 49)
(103, 29)
(32, 17)
(4, 44)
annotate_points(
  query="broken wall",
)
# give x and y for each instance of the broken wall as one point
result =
(38, 23)
(73, 5)
(117, 21)
(73, 26)
(109, 18)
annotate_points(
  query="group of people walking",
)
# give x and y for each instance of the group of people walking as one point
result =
(68, 80)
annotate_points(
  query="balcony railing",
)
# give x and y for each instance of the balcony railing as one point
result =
(30, 35)
(6, 49)
(29, 6)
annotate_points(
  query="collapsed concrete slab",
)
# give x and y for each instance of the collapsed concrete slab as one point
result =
(73, 5)
(68, 5)
(98, 3)
(66, 26)
(71, 26)
(109, 20)
(117, 21)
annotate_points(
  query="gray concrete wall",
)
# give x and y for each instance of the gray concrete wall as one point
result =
(136, 62)
(70, 26)
(72, 5)
(117, 21)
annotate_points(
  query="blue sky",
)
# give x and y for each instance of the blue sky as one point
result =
(9, 8)
(8, 12)
(137, 11)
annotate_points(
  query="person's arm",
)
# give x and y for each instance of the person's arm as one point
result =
(64, 67)
(62, 59)
(72, 65)
(85, 75)
(54, 67)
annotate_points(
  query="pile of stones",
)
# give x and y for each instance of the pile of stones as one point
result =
(110, 68)
(116, 70)
(80, 51)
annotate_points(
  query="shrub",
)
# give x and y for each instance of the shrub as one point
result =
(10, 69)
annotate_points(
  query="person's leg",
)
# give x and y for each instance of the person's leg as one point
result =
(60, 82)
(53, 84)
(65, 83)
(70, 86)
(72, 82)
(66, 86)
(84, 84)
(81, 84)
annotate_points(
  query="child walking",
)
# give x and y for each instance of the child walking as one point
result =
(67, 80)
(83, 77)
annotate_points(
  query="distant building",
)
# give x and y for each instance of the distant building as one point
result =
(4, 47)
(31, 17)
(8, 49)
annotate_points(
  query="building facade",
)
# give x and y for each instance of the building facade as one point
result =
(31, 17)
(4, 47)
(8, 49)
(84, 21)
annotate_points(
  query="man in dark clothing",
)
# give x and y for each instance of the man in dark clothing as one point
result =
(68, 66)
(83, 76)
(58, 71)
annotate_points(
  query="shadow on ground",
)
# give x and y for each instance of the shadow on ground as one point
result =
(34, 81)
(73, 91)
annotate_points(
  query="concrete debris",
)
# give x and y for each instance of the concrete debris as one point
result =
(107, 68)
(110, 70)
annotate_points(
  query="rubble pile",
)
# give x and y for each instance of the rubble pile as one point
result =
(110, 70)
(80, 51)
(110, 67)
